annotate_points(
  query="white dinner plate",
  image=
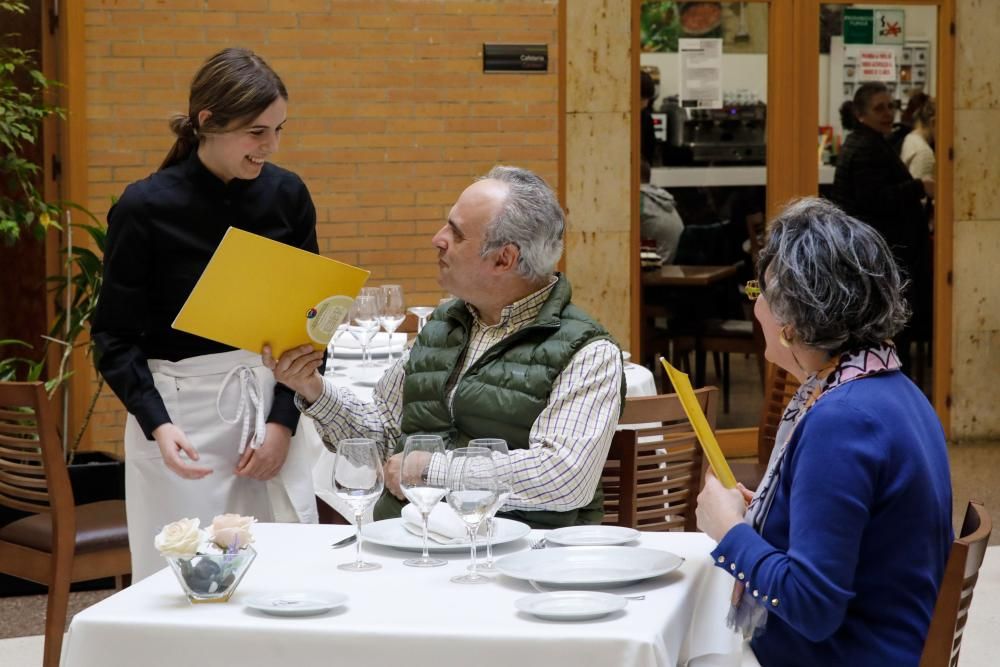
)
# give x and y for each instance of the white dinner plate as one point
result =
(592, 536)
(347, 347)
(296, 603)
(580, 566)
(391, 533)
(570, 605)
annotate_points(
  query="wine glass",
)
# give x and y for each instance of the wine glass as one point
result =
(357, 479)
(421, 312)
(331, 368)
(504, 475)
(472, 489)
(424, 493)
(364, 315)
(393, 312)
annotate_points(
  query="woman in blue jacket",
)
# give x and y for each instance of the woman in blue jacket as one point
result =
(838, 557)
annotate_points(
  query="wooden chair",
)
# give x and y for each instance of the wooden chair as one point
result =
(59, 543)
(654, 467)
(779, 387)
(944, 638)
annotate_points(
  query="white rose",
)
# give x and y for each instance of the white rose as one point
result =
(180, 538)
(228, 529)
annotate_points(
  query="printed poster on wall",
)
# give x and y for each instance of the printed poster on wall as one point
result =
(876, 64)
(701, 73)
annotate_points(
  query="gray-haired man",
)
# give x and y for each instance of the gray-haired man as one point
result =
(511, 357)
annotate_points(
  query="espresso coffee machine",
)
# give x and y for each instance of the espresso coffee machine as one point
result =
(734, 134)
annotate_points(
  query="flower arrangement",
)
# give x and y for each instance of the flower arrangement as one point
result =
(208, 562)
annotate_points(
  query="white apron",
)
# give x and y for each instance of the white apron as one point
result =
(155, 496)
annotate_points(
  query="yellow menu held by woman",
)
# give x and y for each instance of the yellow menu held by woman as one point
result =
(256, 290)
(709, 445)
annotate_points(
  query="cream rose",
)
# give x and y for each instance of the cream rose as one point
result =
(230, 528)
(180, 538)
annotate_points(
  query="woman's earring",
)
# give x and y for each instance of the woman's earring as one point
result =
(783, 339)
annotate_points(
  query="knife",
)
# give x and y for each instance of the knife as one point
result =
(344, 542)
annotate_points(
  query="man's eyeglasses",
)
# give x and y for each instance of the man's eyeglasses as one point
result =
(753, 289)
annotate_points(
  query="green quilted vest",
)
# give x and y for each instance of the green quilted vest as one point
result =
(501, 395)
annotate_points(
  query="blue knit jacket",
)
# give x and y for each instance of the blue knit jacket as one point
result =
(854, 548)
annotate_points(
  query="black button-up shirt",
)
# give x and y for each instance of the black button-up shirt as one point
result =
(161, 235)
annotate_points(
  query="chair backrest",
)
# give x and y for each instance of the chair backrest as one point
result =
(944, 637)
(654, 467)
(33, 475)
(779, 387)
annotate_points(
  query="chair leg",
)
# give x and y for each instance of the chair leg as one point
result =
(55, 612)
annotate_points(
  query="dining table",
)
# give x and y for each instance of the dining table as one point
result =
(399, 615)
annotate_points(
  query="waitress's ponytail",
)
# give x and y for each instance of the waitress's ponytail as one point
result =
(187, 139)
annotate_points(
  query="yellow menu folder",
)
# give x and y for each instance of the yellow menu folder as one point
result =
(702, 430)
(256, 290)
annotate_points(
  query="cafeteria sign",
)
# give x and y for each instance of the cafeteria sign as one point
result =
(876, 64)
(873, 26)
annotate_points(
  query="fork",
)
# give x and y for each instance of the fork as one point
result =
(540, 544)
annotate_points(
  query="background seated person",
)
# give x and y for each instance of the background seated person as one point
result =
(658, 216)
(511, 358)
(839, 556)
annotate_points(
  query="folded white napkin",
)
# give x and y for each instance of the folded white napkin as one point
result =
(443, 525)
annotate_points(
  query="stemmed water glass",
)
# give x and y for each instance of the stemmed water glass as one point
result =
(472, 490)
(364, 316)
(331, 369)
(358, 480)
(392, 313)
(424, 493)
(421, 312)
(504, 479)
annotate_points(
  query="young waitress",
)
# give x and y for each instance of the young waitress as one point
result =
(208, 429)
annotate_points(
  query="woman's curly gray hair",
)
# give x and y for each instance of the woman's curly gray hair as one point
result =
(530, 219)
(832, 278)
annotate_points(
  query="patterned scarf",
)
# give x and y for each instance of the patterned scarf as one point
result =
(747, 614)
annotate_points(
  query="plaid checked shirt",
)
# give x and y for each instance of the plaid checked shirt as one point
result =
(568, 443)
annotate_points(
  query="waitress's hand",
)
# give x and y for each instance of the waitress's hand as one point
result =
(719, 508)
(172, 441)
(264, 463)
(297, 369)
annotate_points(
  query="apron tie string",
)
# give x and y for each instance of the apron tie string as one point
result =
(251, 401)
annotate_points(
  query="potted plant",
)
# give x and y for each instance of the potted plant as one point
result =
(23, 209)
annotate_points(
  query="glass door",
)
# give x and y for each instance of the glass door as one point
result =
(705, 93)
(880, 98)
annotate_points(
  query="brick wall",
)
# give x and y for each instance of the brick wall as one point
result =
(390, 116)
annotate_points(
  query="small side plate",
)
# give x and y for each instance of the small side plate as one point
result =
(570, 605)
(592, 536)
(296, 603)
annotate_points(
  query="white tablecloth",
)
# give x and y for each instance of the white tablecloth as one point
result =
(638, 379)
(404, 616)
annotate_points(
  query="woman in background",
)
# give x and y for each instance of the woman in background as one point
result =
(917, 152)
(873, 185)
(208, 430)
